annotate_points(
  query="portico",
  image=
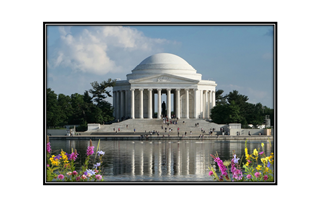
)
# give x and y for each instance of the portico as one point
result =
(187, 96)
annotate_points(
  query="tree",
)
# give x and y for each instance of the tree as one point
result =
(220, 99)
(99, 92)
(65, 108)
(234, 113)
(235, 108)
(53, 115)
(220, 113)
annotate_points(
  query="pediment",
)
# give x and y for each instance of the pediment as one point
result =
(164, 78)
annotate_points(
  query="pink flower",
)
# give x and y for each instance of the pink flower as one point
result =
(48, 165)
(210, 173)
(74, 173)
(96, 171)
(60, 176)
(83, 176)
(69, 173)
(260, 153)
(221, 166)
(73, 156)
(48, 147)
(77, 178)
(265, 177)
(98, 177)
(90, 150)
(257, 174)
(249, 176)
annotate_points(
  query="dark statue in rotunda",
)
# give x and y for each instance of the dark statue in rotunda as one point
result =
(163, 109)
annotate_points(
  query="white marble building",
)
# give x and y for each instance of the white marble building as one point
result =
(159, 74)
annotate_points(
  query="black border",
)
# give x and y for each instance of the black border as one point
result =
(275, 96)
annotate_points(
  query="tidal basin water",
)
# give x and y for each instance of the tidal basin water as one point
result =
(158, 161)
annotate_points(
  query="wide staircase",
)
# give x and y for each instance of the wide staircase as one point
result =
(140, 126)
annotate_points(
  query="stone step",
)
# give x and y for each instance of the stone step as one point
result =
(142, 125)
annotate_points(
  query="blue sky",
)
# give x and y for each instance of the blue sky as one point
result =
(236, 57)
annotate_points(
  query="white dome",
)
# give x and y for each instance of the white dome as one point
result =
(164, 63)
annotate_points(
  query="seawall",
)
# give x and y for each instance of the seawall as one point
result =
(155, 137)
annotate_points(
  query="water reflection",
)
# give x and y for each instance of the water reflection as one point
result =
(158, 160)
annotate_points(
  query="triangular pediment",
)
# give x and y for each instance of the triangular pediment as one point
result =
(164, 78)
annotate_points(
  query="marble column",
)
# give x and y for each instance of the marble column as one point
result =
(126, 104)
(213, 98)
(195, 103)
(207, 102)
(150, 104)
(204, 104)
(178, 103)
(201, 104)
(132, 103)
(118, 104)
(169, 103)
(187, 103)
(159, 103)
(121, 104)
(141, 103)
(114, 103)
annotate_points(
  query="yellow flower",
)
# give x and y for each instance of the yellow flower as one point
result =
(258, 167)
(255, 152)
(264, 160)
(266, 169)
(247, 155)
(53, 161)
(64, 157)
(262, 144)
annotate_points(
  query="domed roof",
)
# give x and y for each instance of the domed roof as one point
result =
(162, 63)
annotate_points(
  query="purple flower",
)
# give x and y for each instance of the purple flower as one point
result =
(100, 153)
(68, 155)
(96, 165)
(265, 177)
(89, 172)
(268, 164)
(58, 157)
(90, 150)
(235, 159)
(73, 156)
(48, 147)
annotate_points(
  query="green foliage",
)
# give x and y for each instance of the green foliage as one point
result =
(80, 109)
(234, 108)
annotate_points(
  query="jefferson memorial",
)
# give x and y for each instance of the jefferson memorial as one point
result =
(187, 95)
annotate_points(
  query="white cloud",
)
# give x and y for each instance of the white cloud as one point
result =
(100, 50)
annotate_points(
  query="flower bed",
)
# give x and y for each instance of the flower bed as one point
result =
(61, 167)
(253, 170)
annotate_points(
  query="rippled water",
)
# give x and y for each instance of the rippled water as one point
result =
(164, 161)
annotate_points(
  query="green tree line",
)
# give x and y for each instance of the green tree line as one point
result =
(234, 108)
(77, 109)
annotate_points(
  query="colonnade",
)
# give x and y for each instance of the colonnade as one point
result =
(125, 103)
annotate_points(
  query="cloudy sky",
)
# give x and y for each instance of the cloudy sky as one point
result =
(236, 57)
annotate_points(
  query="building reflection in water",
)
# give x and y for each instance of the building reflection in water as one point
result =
(159, 158)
